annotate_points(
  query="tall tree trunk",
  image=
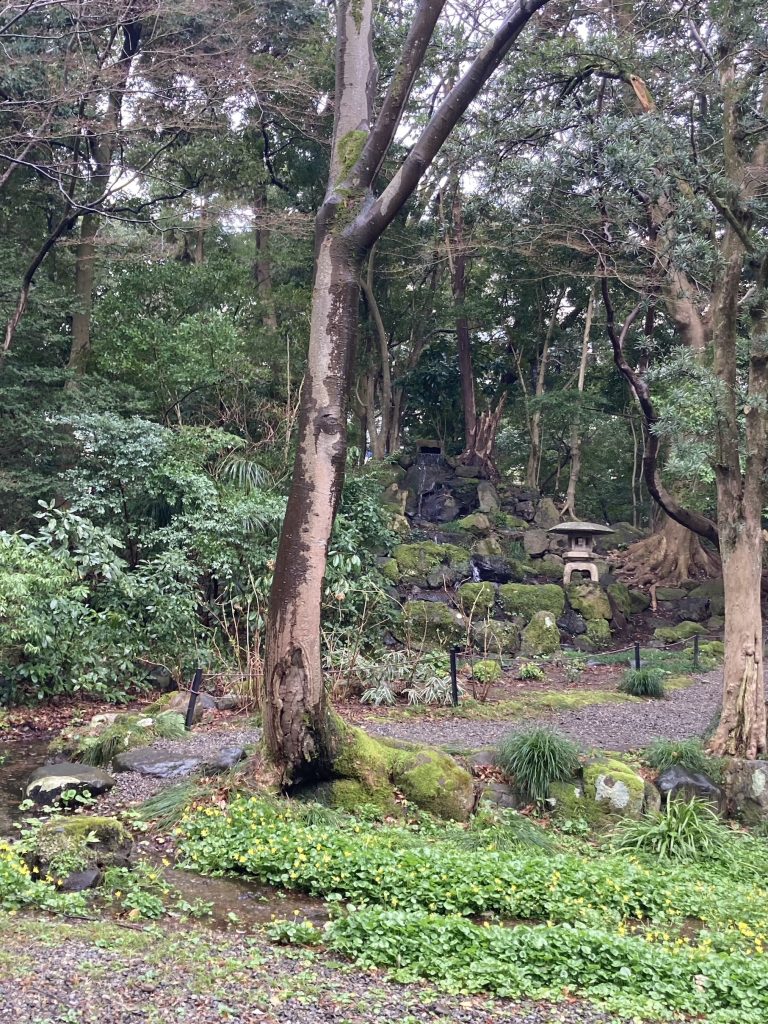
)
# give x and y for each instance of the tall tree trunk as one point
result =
(298, 729)
(85, 257)
(569, 508)
(457, 254)
(262, 267)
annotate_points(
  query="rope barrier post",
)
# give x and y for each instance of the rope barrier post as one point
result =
(695, 650)
(454, 678)
(196, 682)
(637, 656)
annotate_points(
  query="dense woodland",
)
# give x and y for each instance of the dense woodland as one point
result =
(553, 263)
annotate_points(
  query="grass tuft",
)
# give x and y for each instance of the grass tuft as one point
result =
(536, 759)
(643, 682)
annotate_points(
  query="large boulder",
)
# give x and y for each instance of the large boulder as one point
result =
(713, 592)
(572, 623)
(426, 560)
(620, 597)
(608, 790)
(547, 514)
(526, 598)
(497, 569)
(50, 781)
(536, 542)
(677, 782)
(440, 508)
(158, 764)
(682, 631)
(690, 609)
(487, 497)
(746, 790)
(639, 601)
(590, 600)
(433, 622)
(541, 636)
(494, 636)
(421, 480)
(477, 523)
(476, 599)
(76, 850)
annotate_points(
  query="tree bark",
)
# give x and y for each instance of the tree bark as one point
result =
(569, 508)
(300, 736)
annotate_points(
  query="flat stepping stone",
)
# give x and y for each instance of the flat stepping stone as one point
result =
(158, 764)
(223, 760)
(48, 782)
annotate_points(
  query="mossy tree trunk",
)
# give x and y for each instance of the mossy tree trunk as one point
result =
(299, 731)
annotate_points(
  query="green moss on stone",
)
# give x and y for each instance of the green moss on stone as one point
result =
(496, 637)
(416, 561)
(620, 595)
(541, 635)
(682, 631)
(476, 599)
(713, 591)
(390, 570)
(477, 523)
(526, 598)
(590, 600)
(614, 788)
(670, 593)
(639, 601)
(598, 632)
(433, 622)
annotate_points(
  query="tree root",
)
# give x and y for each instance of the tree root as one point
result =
(669, 557)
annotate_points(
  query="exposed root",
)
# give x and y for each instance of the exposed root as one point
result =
(668, 557)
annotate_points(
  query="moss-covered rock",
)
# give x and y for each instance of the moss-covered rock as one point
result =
(682, 631)
(476, 599)
(369, 770)
(494, 636)
(68, 847)
(527, 598)
(639, 601)
(433, 622)
(620, 594)
(590, 600)
(390, 570)
(598, 633)
(477, 523)
(541, 635)
(510, 522)
(551, 567)
(416, 561)
(713, 591)
(489, 546)
(614, 788)
(671, 593)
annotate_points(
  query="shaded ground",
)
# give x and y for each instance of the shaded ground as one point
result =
(622, 726)
(53, 972)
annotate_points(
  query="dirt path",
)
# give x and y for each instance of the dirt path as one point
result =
(53, 972)
(684, 713)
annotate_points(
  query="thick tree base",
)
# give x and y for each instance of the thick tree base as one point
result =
(668, 557)
(369, 771)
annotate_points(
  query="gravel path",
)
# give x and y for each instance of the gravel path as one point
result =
(684, 713)
(53, 972)
(132, 788)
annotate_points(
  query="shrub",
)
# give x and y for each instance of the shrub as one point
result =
(536, 759)
(643, 682)
(686, 831)
(530, 671)
(689, 754)
(486, 671)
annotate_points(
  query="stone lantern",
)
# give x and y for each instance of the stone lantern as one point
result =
(579, 554)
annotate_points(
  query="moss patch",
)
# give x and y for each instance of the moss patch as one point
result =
(526, 598)
(477, 523)
(683, 631)
(433, 622)
(598, 633)
(590, 600)
(415, 562)
(476, 599)
(541, 635)
(620, 594)
(614, 788)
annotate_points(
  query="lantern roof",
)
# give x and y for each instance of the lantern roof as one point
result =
(580, 528)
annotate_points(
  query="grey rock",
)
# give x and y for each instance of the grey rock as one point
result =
(546, 514)
(487, 497)
(79, 881)
(572, 623)
(691, 609)
(651, 799)
(535, 542)
(223, 760)
(180, 702)
(440, 508)
(483, 759)
(677, 782)
(501, 794)
(496, 569)
(48, 782)
(159, 764)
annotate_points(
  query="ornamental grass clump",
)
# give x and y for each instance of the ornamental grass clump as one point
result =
(684, 831)
(689, 754)
(536, 759)
(643, 682)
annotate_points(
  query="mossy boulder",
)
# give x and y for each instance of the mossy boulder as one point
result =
(682, 631)
(551, 567)
(639, 601)
(477, 523)
(476, 599)
(671, 593)
(75, 850)
(527, 598)
(510, 522)
(598, 632)
(614, 788)
(416, 561)
(713, 591)
(390, 570)
(590, 600)
(433, 622)
(494, 636)
(490, 547)
(621, 597)
(541, 635)
(370, 770)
